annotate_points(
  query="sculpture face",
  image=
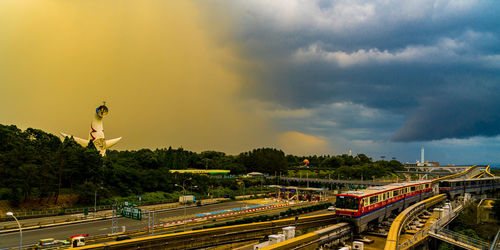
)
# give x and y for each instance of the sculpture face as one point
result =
(102, 111)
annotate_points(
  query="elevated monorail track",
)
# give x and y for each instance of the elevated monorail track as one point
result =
(399, 224)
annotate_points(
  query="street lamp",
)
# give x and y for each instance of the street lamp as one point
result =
(20, 230)
(95, 200)
(184, 200)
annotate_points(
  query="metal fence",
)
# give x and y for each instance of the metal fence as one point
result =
(462, 239)
(24, 214)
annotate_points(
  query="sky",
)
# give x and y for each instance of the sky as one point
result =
(383, 78)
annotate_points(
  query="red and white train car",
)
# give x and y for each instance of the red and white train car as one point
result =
(374, 204)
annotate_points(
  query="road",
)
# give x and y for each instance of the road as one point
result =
(272, 212)
(30, 237)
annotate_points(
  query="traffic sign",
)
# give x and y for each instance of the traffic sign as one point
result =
(129, 210)
(136, 214)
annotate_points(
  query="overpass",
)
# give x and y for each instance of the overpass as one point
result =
(425, 171)
(330, 181)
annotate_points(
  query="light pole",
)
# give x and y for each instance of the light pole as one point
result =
(20, 230)
(95, 201)
(184, 200)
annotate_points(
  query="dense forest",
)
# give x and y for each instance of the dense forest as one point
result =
(36, 164)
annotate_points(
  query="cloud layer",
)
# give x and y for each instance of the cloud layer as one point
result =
(165, 82)
(430, 69)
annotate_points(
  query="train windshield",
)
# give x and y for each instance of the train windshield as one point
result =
(347, 202)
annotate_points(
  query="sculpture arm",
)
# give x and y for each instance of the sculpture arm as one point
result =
(83, 142)
(112, 142)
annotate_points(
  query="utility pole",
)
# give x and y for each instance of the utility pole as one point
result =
(149, 220)
(114, 220)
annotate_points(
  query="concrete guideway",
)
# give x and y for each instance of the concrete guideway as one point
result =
(406, 216)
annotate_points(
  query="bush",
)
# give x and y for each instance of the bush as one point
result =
(5, 193)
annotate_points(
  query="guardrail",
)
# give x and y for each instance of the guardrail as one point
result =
(437, 230)
(487, 171)
(460, 240)
(22, 214)
(495, 245)
(457, 175)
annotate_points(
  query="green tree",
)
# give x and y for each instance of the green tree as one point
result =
(496, 208)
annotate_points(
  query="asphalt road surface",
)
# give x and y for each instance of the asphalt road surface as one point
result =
(31, 237)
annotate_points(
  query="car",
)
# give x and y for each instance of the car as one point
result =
(123, 237)
(331, 208)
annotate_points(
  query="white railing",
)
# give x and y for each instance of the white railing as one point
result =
(437, 229)
(461, 240)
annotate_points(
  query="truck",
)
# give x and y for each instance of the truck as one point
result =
(187, 199)
(50, 243)
(78, 240)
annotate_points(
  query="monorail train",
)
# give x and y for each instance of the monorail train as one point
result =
(377, 203)
(458, 187)
(374, 204)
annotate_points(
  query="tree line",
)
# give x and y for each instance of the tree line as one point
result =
(36, 164)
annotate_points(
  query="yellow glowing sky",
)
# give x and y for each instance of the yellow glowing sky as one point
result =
(155, 63)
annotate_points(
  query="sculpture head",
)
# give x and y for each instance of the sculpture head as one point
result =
(102, 111)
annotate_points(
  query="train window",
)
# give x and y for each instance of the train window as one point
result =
(373, 199)
(444, 184)
(413, 188)
(347, 202)
(395, 193)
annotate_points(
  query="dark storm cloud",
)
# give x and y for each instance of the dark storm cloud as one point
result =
(470, 111)
(435, 63)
